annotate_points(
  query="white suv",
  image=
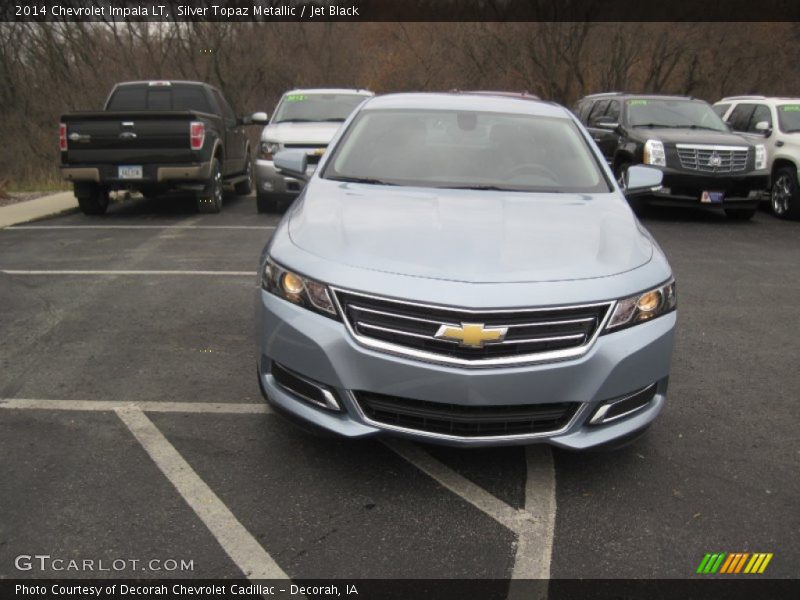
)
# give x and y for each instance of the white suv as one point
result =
(774, 122)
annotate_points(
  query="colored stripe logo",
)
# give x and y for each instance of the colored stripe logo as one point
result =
(733, 563)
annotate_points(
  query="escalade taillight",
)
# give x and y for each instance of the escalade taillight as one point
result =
(62, 137)
(197, 134)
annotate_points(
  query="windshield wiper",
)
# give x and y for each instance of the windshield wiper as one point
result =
(697, 127)
(664, 125)
(295, 121)
(483, 188)
(368, 180)
(333, 120)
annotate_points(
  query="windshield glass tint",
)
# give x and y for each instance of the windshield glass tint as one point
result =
(316, 107)
(789, 117)
(673, 113)
(443, 148)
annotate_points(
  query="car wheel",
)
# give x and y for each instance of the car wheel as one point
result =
(266, 204)
(637, 204)
(92, 200)
(784, 196)
(210, 199)
(244, 188)
(740, 214)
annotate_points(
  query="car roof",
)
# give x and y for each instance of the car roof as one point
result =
(468, 101)
(356, 91)
(644, 96)
(523, 95)
(164, 82)
(773, 99)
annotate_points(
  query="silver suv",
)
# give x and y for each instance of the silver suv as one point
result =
(304, 120)
(774, 122)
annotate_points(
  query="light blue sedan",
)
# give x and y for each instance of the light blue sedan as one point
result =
(464, 269)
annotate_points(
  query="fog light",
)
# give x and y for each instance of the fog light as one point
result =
(618, 408)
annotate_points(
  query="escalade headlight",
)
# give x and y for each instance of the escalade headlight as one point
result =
(643, 307)
(654, 153)
(761, 157)
(297, 289)
(268, 149)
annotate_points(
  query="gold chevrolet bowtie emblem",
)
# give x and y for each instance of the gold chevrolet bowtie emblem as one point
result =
(474, 335)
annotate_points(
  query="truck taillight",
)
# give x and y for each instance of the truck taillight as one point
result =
(62, 137)
(197, 134)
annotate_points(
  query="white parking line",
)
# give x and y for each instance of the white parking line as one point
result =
(506, 515)
(237, 542)
(125, 272)
(534, 525)
(251, 408)
(27, 227)
(535, 543)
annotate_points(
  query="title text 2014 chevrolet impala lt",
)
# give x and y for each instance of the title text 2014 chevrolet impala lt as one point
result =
(464, 269)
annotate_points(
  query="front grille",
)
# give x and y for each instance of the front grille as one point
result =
(408, 328)
(712, 159)
(465, 421)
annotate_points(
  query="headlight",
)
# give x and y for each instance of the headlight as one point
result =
(297, 289)
(643, 307)
(268, 149)
(761, 156)
(654, 153)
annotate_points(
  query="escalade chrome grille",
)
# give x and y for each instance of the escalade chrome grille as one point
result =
(528, 335)
(712, 159)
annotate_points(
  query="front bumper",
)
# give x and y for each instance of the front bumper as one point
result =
(321, 349)
(738, 188)
(270, 182)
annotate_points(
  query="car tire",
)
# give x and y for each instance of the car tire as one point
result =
(785, 194)
(210, 199)
(740, 214)
(244, 188)
(266, 204)
(638, 204)
(92, 199)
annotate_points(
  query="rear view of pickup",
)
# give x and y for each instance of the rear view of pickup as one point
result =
(154, 137)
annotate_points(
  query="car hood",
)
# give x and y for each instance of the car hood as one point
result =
(470, 236)
(692, 136)
(301, 133)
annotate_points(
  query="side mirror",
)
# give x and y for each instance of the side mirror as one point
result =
(639, 181)
(763, 127)
(292, 163)
(257, 118)
(607, 123)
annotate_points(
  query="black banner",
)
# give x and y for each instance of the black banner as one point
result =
(744, 587)
(399, 10)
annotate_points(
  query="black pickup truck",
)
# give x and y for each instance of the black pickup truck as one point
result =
(157, 136)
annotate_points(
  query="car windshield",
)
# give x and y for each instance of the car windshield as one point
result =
(302, 107)
(466, 150)
(789, 117)
(689, 114)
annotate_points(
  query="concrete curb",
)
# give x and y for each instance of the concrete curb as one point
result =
(30, 210)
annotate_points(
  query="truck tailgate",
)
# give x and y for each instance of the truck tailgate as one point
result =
(125, 137)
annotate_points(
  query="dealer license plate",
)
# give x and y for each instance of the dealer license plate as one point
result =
(129, 172)
(712, 197)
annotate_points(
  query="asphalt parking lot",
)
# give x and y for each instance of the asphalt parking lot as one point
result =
(132, 425)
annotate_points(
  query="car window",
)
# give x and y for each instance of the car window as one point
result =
(613, 110)
(583, 109)
(144, 97)
(740, 116)
(676, 113)
(789, 117)
(721, 109)
(301, 107)
(227, 112)
(598, 111)
(760, 113)
(466, 149)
